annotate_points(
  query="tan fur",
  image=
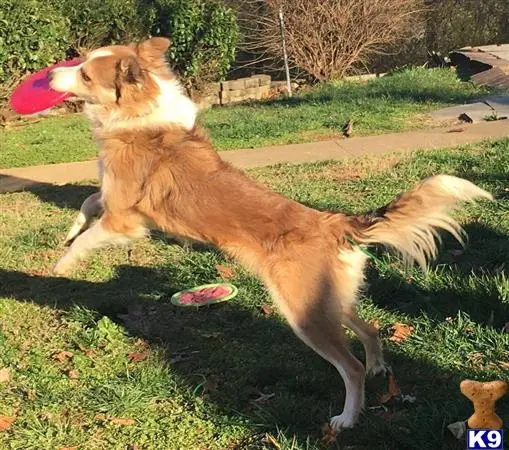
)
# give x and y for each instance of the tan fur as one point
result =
(168, 177)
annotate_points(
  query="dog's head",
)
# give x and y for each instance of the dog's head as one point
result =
(128, 86)
(110, 75)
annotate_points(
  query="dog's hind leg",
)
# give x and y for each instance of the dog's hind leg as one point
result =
(91, 207)
(108, 231)
(368, 335)
(311, 305)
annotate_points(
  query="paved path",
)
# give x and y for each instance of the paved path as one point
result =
(20, 178)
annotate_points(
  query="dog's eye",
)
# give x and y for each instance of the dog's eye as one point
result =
(85, 77)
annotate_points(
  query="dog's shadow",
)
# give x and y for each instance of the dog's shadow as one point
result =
(249, 355)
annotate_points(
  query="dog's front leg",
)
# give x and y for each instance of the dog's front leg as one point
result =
(91, 207)
(108, 231)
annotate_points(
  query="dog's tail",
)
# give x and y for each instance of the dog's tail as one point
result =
(410, 224)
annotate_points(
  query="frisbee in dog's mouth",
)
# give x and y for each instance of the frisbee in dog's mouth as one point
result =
(206, 294)
(34, 94)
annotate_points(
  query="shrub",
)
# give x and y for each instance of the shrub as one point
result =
(204, 36)
(94, 23)
(327, 38)
(452, 24)
(32, 35)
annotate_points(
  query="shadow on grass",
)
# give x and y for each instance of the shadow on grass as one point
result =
(463, 284)
(247, 354)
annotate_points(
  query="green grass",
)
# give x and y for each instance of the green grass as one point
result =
(202, 383)
(388, 104)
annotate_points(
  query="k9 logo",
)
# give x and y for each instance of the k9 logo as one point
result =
(485, 439)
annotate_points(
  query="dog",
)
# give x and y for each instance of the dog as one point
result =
(158, 170)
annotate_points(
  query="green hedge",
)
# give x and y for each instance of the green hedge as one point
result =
(204, 36)
(35, 33)
(32, 35)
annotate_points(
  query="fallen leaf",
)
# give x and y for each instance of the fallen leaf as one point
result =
(73, 374)
(6, 422)
(393, 391)
(458, 429)
(115, 420)
(120, 421)
(328, 434)
(401, 332)
(135, 357)
(267, 309)
(5, 375)
(84, 350)
(225, 272)
(63, 356)
(393, 386)
(263, 398)
(68, 448)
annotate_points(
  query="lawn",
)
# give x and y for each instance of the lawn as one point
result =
(388, 104)
(104, 361)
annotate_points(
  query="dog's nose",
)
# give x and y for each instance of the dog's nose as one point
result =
(50, 76)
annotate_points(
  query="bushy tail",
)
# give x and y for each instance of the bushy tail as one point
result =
(410, 224)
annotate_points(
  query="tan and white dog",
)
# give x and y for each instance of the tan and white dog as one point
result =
(160, 171)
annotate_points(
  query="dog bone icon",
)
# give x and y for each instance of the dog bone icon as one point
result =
(484, 397)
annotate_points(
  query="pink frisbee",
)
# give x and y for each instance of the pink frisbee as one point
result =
(34, 95)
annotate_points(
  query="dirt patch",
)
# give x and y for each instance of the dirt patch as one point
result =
(341, 172)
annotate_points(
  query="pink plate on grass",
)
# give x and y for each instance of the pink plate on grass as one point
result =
(34, 95)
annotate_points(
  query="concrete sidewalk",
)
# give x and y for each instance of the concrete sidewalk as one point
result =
(21, 178)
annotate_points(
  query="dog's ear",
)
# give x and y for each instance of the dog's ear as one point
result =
(129, 70)
(153, 49)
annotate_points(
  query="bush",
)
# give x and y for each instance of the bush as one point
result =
(32, 36)
(327, 38)
(94, 23)
(452, 24)
(204, 36)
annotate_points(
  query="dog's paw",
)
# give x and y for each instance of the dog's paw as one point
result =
(63, 267)
(378, 367)
(343, 421)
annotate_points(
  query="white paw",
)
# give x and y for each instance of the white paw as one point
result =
(377, 367)
(64, 266)
(77, 228)
(343, 421)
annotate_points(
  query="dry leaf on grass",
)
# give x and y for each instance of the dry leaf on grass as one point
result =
(62, 356)
(401, 332)
(225, 272)
(135, 357)
(6, 422)
(121, 421)
(73, 374)
(115, 420)
(68, 448)
(267, 309)
(86, 351)
(5, 375)
(328, 434)
(393, 392)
